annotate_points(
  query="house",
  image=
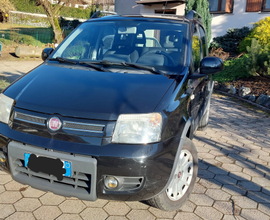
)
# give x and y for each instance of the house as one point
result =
(226, 13)
(236, 13)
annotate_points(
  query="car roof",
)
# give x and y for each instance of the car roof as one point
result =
(156, 17)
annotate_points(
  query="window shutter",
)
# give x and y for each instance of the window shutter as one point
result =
(254, 5)
(228, 7)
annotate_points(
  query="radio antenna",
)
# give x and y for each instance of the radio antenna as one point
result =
(164, 7)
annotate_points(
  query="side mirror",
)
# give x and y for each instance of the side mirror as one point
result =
(46, 53)
(211, 65)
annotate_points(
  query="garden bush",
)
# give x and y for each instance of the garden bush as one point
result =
(230, 41)
(219, 53)
(233, 69)
(257, 61)
(260, 31)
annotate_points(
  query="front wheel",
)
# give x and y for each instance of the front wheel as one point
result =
(183, 180)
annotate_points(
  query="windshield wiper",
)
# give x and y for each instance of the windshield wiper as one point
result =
(62, 60)
(138, 66)
(94, 66)
(106, 63)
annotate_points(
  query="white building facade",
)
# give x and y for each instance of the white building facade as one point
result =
(226, 13)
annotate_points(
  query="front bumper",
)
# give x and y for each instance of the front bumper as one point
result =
(80, 185)
(152, 164)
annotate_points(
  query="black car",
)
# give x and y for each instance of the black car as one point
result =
(112, 111)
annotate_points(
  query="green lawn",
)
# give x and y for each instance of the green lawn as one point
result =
(27, 35)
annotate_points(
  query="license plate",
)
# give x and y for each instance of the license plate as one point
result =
(47, 165)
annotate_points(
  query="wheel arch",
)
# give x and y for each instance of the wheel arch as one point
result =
(187, 131)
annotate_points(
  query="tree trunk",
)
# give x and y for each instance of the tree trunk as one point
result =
(57, 31)
(52, 14)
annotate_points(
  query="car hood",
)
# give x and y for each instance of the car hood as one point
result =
(75, 91)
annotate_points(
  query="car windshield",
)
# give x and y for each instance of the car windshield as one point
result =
(156, 44)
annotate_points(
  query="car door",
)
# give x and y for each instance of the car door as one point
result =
(209, 84)
(197, 85)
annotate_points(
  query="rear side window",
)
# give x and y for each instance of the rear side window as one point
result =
(203, 41)
(196, 49)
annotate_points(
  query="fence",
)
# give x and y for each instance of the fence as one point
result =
(28, 36)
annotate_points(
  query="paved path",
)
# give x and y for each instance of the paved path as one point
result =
(11, 70)
(233, 182)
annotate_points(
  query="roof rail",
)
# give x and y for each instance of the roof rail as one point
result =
(97, 13)
(191, 15)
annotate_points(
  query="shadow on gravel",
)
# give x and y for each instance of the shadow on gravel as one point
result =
(10, 77)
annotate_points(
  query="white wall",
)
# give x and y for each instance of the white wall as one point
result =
(146, 9)
(127, 7)
(239, 18)
(131, 7)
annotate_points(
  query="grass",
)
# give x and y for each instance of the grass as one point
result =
(27, 35)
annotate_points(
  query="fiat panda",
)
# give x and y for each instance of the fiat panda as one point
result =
(112, 111)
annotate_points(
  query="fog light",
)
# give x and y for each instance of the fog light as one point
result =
(111, 182)
(2, 157)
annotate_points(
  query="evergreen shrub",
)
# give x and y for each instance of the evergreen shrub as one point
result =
(233, 69)
(257, 61)
(202, 8)
(230, 41)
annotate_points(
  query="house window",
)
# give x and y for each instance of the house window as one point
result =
(266, 5)
(254, 5)
(257, 5)
(166, 11)
(220, 6)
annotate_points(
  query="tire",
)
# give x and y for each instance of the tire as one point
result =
(170, 199)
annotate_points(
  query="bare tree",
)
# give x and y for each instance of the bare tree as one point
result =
(52, 12)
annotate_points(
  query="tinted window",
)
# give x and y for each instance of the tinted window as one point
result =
(196, 49)
(157, 44)
(203, 41)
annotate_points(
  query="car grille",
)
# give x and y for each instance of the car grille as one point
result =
(83, 127)
(67, 125)
(29, 118)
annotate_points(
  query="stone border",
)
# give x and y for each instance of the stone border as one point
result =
(244, 100)
(244, 94)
